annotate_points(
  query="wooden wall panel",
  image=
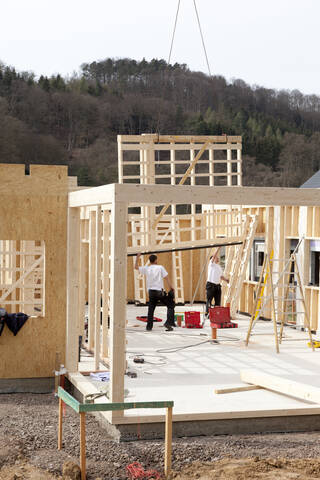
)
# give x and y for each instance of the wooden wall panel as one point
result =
(34, 207)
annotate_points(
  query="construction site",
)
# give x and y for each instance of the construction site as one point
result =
(68, 258)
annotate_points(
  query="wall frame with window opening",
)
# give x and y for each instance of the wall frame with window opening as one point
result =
(256, 259)
(314, 262)
(22, 276)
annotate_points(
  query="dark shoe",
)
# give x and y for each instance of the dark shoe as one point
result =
(168, 324)
(149, 327)
(169, 329)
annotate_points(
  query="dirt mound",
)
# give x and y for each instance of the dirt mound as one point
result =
(24, 471)
(251, 468)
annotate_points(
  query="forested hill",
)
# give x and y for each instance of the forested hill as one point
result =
(75, 121)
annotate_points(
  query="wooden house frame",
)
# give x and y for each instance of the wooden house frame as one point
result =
(94, 226)
(152, 159)
(116, 199)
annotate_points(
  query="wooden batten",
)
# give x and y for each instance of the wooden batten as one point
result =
(73, 325)
(105, 282)
(97, 287)
(118, 301)
(92, 279)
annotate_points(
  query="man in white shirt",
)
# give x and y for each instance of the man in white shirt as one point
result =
(155, 274)
(213, 287)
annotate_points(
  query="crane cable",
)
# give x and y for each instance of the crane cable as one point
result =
(171, 48)
(200, 30)
(203, 44)
(174, 31)
(167, 67)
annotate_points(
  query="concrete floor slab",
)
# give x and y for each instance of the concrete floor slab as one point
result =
(186, 364)
(186, 367)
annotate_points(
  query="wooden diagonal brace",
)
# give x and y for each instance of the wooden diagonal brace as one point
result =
(16, 284)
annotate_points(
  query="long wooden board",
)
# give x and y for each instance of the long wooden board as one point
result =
(242, 388)
(198, 194)
(277, 384)
(144, 250)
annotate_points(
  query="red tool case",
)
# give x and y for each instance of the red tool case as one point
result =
(220, 318)
(192, 320)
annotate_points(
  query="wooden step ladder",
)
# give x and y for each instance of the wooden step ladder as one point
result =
(177, 270)
(279, 295)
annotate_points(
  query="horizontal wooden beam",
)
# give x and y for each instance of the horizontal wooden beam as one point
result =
(226, 415)
(154, 137)
(92, 196)
(200, 194)
(159, 249)
(180, 175)
(281, 385)
(181, 147)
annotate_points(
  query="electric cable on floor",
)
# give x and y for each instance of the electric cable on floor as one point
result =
(183, 347)
(229, 339)
(161, 357)
(171, 334)
(173, 349)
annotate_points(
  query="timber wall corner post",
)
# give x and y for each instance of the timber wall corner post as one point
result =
(119, 214)
(73, 278)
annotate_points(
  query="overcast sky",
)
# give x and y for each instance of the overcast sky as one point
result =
(273, 43)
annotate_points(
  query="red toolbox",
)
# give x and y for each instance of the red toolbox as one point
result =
(219, 314)
(220, 318)
(192, 320)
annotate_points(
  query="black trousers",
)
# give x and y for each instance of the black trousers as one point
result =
(213, 291)
(156, 296)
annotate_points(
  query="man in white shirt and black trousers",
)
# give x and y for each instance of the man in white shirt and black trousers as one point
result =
(213, 287)
(155, 274)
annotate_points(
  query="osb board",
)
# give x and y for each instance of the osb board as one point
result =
(34, 207)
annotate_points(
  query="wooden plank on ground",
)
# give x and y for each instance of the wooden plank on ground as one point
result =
(281, 385)
(242, 388)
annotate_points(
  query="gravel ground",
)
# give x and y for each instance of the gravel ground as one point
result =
(28, 433)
